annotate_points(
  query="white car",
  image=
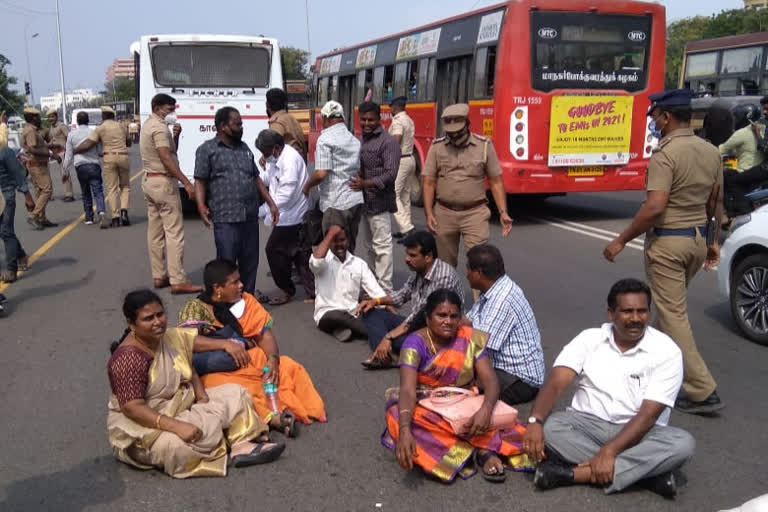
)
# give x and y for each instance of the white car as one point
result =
(742, 274)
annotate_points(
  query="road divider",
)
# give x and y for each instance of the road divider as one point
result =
(587, 230)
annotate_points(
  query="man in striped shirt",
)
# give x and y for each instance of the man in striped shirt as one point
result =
(514, 342)
(337, 162)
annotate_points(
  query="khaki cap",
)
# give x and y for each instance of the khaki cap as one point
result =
(107, 109)
(457, 110)
(31, 110)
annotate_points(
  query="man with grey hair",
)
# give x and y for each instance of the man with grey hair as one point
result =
(286, 175)
(337, 162)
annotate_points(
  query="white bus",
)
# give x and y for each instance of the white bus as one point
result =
(204, 73)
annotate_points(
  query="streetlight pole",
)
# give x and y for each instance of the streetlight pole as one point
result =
(61, 68)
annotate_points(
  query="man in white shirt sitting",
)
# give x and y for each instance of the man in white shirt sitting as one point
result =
(286, 176)
(339, 277)
(615, 433)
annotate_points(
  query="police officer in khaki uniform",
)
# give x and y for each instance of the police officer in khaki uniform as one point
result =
(402, 129)
(56, 137)
(165, 223)
(281, 121)
(116, 168)
(685, 175)
(454, 186)
(38, 154)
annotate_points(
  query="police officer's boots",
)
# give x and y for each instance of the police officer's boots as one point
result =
(124, 217)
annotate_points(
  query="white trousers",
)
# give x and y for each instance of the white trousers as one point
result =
(375, 246)
(403, 193)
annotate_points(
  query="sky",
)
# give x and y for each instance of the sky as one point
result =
(95, 32)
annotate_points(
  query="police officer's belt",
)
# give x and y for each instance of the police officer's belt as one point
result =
(406, 156)
(681, 231)
(461, 207)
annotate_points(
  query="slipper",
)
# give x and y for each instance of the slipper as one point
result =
(279, 301)
(481, 459)
(259, 455)
(23, 264)
(376, 364)
(8, 276)
(262, 297)
(288, 420)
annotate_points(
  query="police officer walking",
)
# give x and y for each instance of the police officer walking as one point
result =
(56, 137)
(684, 180)
(402, 129)
(454, 177)
(37, 164)
(117, 167)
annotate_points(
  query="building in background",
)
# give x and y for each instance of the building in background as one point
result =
(755, 4)
(121, 68)
(75, 98)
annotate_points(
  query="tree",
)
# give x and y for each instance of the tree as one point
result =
(10, 101)
(295, 63)
(121, 89)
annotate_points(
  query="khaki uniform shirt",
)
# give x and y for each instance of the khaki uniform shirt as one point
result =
(687, 167)
(403, 125)
(286, 125)
(3, 135)
(461, 171)
(155, 134)
(57, 135)
(33, 141)
(112, 137)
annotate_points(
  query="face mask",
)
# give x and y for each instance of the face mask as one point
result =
(271, 159)
(655, 130)
(171, 118)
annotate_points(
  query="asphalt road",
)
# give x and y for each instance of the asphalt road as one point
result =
(65, 311)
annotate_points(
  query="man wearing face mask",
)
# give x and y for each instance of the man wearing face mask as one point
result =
(228, 191)
(286, 175)
(165, 223)
(683, 190)
(454, 177)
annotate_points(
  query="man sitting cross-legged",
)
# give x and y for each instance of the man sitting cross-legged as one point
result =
(387, 330)
(339, 278)
(615, 433)
(514, 341)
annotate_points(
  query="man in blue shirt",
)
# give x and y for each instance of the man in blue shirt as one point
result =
(12, 178)
(514, 342)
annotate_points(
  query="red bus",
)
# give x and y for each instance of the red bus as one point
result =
(560, 87)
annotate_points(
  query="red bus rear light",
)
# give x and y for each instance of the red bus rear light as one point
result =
(648, 149)
(519, 127)
(520, 152)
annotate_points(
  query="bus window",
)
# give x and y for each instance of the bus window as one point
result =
(401, 75)
(485, 72)
(389, 79)
(430, 93)
(333, 88)
(378, 84)
(364, 85)
(701, 64)
(322, 92)
(423, 94)
(413, 79)
(211, 65)
(741, 60)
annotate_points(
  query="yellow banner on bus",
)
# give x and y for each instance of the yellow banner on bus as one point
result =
(590, 130)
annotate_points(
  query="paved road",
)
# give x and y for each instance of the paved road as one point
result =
(64, 313)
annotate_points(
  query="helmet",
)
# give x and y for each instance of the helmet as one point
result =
(744, 114)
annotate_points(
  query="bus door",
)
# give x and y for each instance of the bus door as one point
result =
(346, 98)
(452, 85)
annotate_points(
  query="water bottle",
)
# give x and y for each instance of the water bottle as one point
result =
(270, 389)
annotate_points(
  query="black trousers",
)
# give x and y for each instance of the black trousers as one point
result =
(284, 251)
(737, 184)
(338, 319)
(512, 390)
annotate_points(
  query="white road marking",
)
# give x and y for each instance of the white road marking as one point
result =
(587, 230)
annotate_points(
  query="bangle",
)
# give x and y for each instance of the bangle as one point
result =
(157, 421)
(405, 411)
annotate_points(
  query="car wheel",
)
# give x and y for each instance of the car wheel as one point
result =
(749, 297)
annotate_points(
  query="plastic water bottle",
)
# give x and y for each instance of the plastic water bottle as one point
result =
(270, 389)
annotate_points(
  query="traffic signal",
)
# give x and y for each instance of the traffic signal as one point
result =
(26, 88)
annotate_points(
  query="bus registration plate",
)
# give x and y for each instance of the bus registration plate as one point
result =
(589, 170)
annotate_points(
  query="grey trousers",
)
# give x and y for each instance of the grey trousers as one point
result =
(577, 437)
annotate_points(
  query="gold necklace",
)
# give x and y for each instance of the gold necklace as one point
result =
(431, 343)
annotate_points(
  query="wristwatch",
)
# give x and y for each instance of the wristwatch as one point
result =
(388, 337)
(534, 419)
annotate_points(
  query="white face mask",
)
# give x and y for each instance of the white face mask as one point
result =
(171, 118)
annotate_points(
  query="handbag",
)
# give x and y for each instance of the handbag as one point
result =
(457, 406)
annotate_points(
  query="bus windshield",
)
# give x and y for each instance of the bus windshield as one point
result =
(210, 65)
(589, 51)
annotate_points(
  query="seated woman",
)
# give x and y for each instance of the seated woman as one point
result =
(160, 415)
(446, 354)
(223, 306)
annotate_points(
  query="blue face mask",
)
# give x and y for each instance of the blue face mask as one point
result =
(271, 159)
(655, 131)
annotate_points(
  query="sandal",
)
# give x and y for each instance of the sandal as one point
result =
(23, 264)
(259, 455)
(481, 457)
(261, 297)
(8, 276)
(279, 301)
(378, 364)
(288, 421)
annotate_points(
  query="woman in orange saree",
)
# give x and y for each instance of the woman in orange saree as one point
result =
(224, 304)
(446, 354)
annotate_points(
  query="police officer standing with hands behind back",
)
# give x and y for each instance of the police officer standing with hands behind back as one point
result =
(454, 186)
(683, 190)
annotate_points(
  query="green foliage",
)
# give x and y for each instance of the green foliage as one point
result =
(120, 89)
(295, 63)
(727, 23)
(10, 101)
